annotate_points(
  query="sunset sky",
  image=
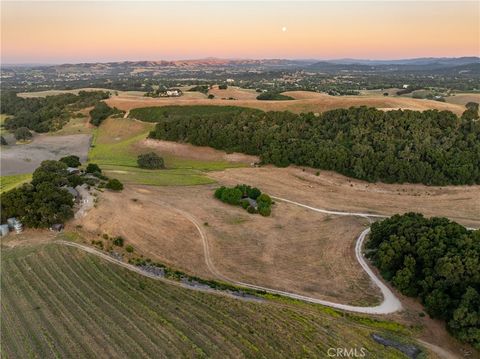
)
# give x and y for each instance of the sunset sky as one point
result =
(88, 31)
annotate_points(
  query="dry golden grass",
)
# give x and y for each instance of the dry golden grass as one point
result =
(234, 92)
(334, 191)
(191, 152)
(294, 250)
(307, 102)
(463, 98)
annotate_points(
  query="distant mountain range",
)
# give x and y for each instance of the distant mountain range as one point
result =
(432, 65)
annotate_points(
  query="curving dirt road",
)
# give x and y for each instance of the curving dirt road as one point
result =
(390, 303)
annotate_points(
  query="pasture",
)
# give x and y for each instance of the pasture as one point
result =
(118, 142)
(304, 101)
(9, 182)
(60, 302)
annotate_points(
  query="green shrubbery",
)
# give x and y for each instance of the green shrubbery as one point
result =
(114, 185)
(436, 260)
(93, 168)
(23, 134)
(71, 161)
(100, 112)
(150, 160)
(273, 96)
(249, 198)
(118, 241)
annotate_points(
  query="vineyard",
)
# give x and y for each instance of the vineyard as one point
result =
(60, 302)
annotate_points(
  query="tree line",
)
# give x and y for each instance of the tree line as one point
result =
(44, 114)
(431, 147)
(436, 260)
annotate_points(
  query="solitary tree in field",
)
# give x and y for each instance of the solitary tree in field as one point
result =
(150, 160)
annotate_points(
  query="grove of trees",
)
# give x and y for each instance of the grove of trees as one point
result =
(100, 112)
(431, 147)
(42, 202)
(44, 114)
(250, 198)
(436, 260)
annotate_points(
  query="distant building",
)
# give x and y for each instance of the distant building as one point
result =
(230, 81)
(171, 93)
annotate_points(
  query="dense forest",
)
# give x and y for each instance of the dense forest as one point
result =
(436, 260)
(44, 114)
(431, 147)
(44, 201)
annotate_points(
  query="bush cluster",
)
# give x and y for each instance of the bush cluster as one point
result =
(150, 160)
(249, 198)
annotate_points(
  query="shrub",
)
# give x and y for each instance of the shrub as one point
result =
(71, 161)
(251, 209)
(264, 200)
(93, 168)
(273, 96)
(231, 195)
(150, 160)
(23, 134)
(254, 193)
(244, 204)
(129, 249)
(218, 192)
(114, 184)
(265, 210)
(222, 87)
(211, 96)
(118, 241)
(3, 141)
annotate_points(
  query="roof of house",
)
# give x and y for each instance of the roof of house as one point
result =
(250, 201)
(72, 191)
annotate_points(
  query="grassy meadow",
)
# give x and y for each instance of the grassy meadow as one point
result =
(116, 147)
(58, 301)
(9, 182)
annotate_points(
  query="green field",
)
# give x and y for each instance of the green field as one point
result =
(154, 114)
(9, 182)
(115, 149)
(58, 301)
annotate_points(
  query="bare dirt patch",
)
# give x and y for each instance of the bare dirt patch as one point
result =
(154, 229)
(333, 191)
(186, 150)
(25, 158)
